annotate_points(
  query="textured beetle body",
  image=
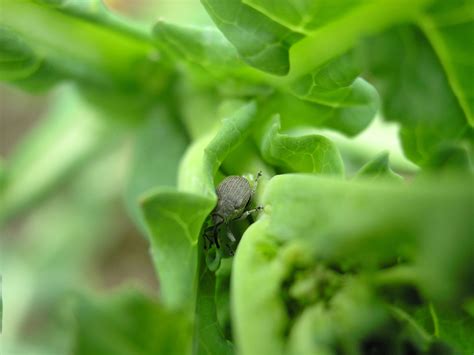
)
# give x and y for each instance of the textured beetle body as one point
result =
(233, 196)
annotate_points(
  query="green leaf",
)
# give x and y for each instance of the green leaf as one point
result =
(72, 46)
(456, 329)
(367, 224)
(258, 314)
(349, 320)
(378, 168)
(263, 268)
(452, 326)
(451, 158)
(296, 114)
(260, 41)
(174, 222)
(344, 33)
(416, 93)
(154, 165)
(210, 335)
(263, 32)
(175, 218)
(309, 153)
(222, 297)
(130, 323)
(304, 16)
(350, 102)
(205, 156)
(17, 59)
(447, 26)
(333, 90)
(205, 47)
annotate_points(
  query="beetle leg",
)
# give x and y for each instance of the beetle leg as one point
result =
(230, 235)
(218, 221)
(208, 238)
(216, 235)
(255, 183)
(249, 212)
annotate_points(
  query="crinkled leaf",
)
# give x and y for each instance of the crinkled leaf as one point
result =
(130, 323)
(453, 327)
(263, 269)
(304, 16)
(350, 102)
(449, 26)
(369, 224)
(309, 153)
(331, 81)
(347, 321)
(416, 93)
(350, 113)
(350, 118)
(378, 168)
(333, 90)
(260, 30)
(175, 218)
(456, 329)
(261, 42)
(206, 154)
(205, 47)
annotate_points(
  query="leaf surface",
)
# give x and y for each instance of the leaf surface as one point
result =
(308, 153)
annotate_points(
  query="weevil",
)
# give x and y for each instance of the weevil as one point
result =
(234, 196)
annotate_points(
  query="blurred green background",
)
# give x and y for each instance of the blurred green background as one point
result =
(78, 234)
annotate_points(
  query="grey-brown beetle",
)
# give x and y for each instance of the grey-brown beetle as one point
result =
(234, 196)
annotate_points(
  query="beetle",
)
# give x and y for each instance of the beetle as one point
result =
(234, 196)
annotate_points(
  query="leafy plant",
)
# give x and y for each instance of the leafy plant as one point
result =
(350, 255)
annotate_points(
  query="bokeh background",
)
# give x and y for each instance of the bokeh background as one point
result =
(79, 235)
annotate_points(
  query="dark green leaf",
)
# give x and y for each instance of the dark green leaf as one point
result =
(449, 26)
(210, 335)
(416, 93)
